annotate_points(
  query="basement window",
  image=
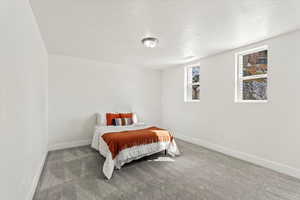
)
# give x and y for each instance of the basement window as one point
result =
(192, 84)
(252, 75)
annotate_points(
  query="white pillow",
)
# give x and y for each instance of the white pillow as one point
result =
(135, 118)
(101, 119)
(98, 119)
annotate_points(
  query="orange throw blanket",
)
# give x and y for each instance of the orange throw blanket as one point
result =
(117, 141)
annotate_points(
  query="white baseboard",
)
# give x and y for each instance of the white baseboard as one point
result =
(282, 168)
(37, 178)
(66, 145)
(40, 169)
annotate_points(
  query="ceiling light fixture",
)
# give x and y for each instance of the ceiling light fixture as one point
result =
(150, 42)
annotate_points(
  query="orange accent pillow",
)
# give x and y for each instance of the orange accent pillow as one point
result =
(126, 115)
(110, 117)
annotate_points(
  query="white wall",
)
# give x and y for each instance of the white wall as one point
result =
(78, 88)
(23, 100)
(267, 134)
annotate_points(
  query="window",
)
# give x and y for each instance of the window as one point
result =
(192, 84)
(252, 75)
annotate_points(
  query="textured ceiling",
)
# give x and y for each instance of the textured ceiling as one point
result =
(111, 30)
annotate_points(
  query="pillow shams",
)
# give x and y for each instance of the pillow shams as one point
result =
(110, 118)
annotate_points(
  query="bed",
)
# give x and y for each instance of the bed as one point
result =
(123, 144)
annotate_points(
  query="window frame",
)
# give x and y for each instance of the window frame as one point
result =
(187, 85)
(239, 78)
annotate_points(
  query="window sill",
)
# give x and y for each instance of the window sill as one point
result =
(251, 101)
(191, 101)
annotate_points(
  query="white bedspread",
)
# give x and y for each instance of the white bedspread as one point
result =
(129, 154)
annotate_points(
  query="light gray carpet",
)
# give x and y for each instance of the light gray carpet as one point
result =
(76, 174)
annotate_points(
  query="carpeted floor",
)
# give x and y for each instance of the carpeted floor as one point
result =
(76, 174)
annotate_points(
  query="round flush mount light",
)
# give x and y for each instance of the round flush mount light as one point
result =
(150, 42)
